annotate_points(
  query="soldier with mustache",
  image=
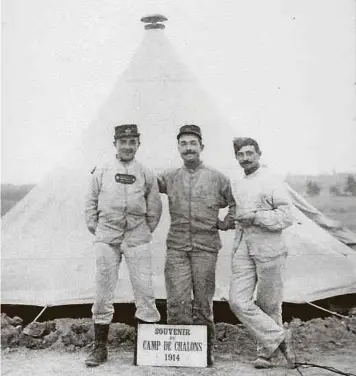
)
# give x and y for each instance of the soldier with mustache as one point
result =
(195, 193)
(263, 211)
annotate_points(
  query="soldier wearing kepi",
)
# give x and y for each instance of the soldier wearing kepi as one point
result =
(263, 211)
(195, 194)
(122, 209)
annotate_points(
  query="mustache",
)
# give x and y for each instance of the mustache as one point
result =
(245, 162)
(189, 152)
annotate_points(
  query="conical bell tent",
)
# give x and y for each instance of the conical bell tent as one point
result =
(48, 257)
(47, 252)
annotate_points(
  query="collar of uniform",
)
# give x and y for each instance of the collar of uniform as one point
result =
(259, 171)
(255, 173)
(128, 163)
(193, 169)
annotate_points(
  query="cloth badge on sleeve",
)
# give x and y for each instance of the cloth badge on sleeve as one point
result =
(125, 178)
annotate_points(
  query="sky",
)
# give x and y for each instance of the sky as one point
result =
(282, 71)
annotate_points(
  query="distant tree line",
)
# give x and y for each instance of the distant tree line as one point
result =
(349, 189)
(313, 188)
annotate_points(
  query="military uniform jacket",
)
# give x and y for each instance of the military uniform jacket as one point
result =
(195, 198)
(123, 203)
(264, 194)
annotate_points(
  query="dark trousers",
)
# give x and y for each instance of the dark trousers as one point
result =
(187, 273)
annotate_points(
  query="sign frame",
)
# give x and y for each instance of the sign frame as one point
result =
(171, 345)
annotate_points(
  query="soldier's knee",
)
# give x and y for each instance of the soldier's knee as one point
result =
(102, 266)
(270, 307)
(239, 306)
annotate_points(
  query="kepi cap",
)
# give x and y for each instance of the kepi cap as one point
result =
(126, 130)
(189, 129)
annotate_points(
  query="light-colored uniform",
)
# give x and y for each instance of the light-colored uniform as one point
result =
(259, 256)
(195, 197)
(122, 209)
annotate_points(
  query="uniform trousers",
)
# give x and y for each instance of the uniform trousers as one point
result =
(139, 264)
(187, 272)
(261, 278)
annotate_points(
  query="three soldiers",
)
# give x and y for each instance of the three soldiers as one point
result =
(123, 208)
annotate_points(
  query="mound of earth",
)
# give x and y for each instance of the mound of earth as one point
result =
(74, 334)
(70, 334)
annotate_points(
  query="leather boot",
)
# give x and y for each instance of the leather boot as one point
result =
(99, 354)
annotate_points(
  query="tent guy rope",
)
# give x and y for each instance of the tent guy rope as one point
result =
(327, 310)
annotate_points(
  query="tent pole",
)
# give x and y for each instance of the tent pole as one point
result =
(326, 310)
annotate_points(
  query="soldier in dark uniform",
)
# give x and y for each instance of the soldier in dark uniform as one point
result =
(195, 193)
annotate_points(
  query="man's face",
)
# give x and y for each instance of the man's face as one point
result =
(248, 157)
(189, 147)
(127, 147)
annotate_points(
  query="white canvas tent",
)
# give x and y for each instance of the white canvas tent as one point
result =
(47, 253)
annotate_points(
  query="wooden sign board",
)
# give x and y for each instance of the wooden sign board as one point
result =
(171, 345)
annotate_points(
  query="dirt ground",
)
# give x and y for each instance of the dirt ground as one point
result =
(59, 347)
(20, 362)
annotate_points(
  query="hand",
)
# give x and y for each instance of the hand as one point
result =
(227, 224)
(247, 218)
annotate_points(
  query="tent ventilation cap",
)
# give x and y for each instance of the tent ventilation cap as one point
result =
(154, 21)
